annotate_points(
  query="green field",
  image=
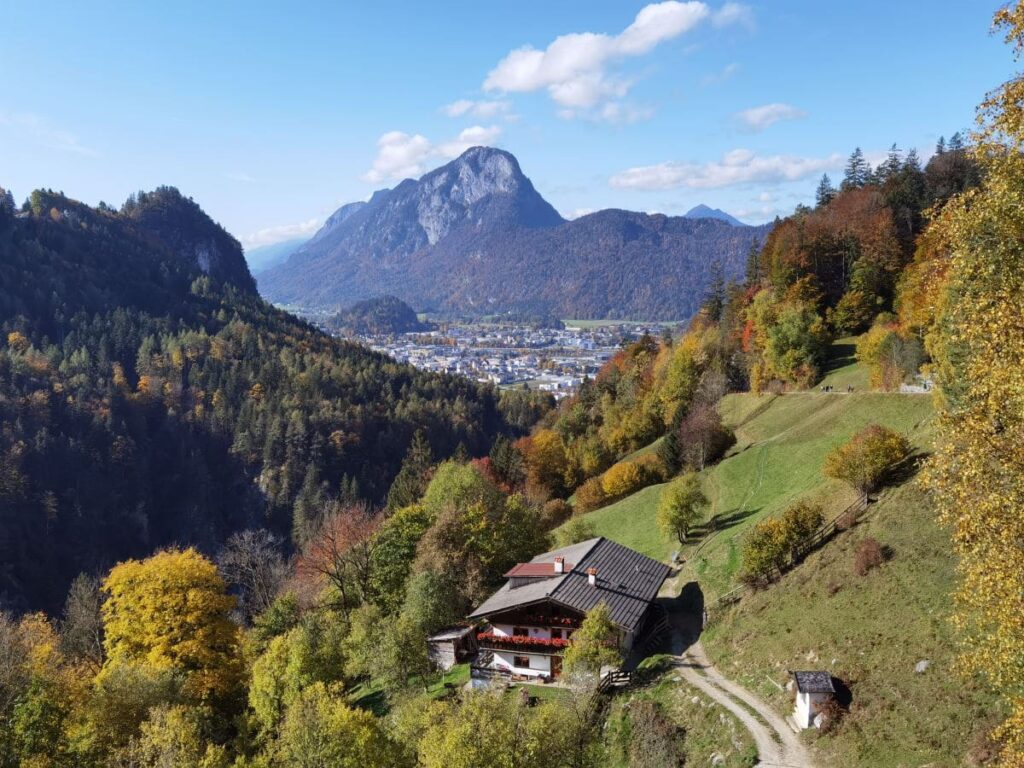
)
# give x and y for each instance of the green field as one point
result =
(869, 631)
(782, 441)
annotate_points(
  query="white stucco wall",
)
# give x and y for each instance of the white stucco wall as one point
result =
(543, 633)
(539, 665)
(807, 707)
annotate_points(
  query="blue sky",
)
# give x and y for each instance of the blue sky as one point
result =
(272, 115)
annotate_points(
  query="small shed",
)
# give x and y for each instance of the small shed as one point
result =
(813, 689)
(451, 646)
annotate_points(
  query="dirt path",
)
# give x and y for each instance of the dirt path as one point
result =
(777, 745)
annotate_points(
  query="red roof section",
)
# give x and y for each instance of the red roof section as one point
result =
(526, 570)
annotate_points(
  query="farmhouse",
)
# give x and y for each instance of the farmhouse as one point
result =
(530, 620)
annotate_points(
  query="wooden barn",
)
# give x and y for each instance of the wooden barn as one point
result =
(452, 646)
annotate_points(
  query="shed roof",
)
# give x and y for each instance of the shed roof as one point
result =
(452, 633)
(627, 582)
(814, 682)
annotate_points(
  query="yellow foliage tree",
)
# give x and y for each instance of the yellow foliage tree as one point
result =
(622, 479)
(171, 612)
(977, 470)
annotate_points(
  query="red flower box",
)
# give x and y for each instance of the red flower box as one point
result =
(520, 641)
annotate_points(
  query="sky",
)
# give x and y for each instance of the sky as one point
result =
(272, 115)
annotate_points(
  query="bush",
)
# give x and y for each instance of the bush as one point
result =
(652, 468)
(554, 513)
(622, 479)
(869, 555)
(576, 530)
(771, 544)
(590, 495)
(832, 713)
(867, 458)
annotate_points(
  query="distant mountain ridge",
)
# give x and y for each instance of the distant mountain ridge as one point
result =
(704, 212)
(475, 236)
(263, 257)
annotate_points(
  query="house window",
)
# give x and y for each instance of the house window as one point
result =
(556, 634)
(521, 661)
(521, 631)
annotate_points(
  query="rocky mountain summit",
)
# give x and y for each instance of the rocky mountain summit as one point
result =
(474, 236)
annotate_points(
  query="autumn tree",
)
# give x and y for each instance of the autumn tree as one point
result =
(251, 561)
(81, 630)
(393, 553)
(341, 552)
(680, 506)
(319, 730)
(977, 470)
(866, 459)
(594, 645)
(171, 611)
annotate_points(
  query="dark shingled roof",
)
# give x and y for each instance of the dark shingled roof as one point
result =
(627, 582)
(814, 682)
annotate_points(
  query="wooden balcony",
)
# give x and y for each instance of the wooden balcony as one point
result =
(522, 644)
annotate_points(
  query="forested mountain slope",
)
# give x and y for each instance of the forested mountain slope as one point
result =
(475, 237)
(148, 396)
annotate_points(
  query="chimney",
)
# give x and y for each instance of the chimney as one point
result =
(559, 565)
(592, 576)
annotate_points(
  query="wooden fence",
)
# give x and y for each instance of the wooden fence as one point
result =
(843, 520)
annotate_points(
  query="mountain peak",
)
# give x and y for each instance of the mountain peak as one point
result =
(706, 212)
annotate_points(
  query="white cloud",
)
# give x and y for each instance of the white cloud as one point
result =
(623, 114)
(476, 136)
(38, 129)
(280, 233)
(401, 155)
(573, 69)
(717, 78)
(484, 108)
(734, 13)
(735, 168)
(577, 212)
(759, 118)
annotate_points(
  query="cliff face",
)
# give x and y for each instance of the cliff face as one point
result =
(474, 236)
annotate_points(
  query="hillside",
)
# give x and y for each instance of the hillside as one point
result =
(377, 316)
(869, 631)
(148, 396)
(781, 443)
(474, 236)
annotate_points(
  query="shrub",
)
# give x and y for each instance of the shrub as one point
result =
(590, 495)
(654, 738)
(832, 713)
(652, 468)
(554, 513)
(869, 555)
(576, 530)
(772, 542)
(622, 479)
(867, 458)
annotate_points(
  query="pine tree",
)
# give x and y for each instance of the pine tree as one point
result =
(753, 264)
(858, 171)
(956, 142)
(940, 147)
(414, 475)
(714, 299)
(825, 191)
